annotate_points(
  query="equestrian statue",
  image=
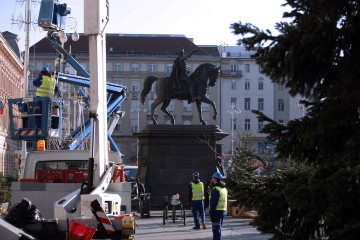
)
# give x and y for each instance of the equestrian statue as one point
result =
(181, 86)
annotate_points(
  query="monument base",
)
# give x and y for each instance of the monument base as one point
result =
(170, 154)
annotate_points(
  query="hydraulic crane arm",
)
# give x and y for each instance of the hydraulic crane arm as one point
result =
(68, 58)
(115, 95)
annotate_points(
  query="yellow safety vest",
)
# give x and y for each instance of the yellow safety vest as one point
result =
(47, 87)
(222, 203)
(197, 191)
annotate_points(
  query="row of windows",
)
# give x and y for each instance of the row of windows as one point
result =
(260, 107)
(135, 67)
(247, 69)
(135, 106)
(247, 84)
(247, 124)
(117, 67)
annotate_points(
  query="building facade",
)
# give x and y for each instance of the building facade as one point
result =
(130, 59)
(245, 88)
(240, 88)
(11, 86)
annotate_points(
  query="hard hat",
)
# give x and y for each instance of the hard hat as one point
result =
(196, 175)
(45, 69)
(217, 175)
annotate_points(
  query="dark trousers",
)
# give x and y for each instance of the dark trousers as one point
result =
(217, 224)
(197, 208)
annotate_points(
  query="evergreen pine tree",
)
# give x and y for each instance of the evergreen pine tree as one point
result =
(315, 54)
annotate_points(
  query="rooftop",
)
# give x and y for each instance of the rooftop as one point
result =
(133, 44)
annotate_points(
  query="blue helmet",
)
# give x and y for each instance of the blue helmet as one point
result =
(196, 175)
(217, 175)
(45, 69)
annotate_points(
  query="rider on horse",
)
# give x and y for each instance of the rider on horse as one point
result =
(180, 74)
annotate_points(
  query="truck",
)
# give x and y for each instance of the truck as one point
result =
(68, 192)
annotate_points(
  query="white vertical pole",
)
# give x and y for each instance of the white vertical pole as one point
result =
(232, 130)
(26, 64)
(95, 21)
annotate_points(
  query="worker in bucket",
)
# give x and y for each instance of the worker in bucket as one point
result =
(46, 86)
(218, 204)
(196, 197)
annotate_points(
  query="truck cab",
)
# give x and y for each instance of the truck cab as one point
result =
(60, 166)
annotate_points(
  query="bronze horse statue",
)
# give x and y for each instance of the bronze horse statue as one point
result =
(203, 77)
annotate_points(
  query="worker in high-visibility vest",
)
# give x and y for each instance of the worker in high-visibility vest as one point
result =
(196, 197)
(218, 204)
(45, 85)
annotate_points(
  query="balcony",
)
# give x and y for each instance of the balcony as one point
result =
(227, 73)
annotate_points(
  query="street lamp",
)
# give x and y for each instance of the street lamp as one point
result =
(232, 111)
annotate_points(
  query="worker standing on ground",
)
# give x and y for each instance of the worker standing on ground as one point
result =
(218, 205)
(196, 196)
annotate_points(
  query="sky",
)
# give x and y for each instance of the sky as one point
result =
(207, 22)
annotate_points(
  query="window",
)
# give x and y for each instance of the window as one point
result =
(233, 101)
(152, 68)
(135, 67)
(135, 86)
(153, 88)
(204, 107)
(247, 125)
(131, 171)
(117, 127)
(31, 66)
(117, 67)
(189, 68)
(281, 105)
(260, 124)
(135, 105)
(117, 82)
(65, 164)
(261, 84)
(233, 84)
(149, 105)
(247, 104)
(171, 107)
(260, 104)
(247, 84)
(169, 68)
(233, 68)
(134, 126)
(281, 122)
(187, 107)
(234, 121)
(247, 68)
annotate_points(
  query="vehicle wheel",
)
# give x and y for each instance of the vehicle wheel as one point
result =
(164, 217)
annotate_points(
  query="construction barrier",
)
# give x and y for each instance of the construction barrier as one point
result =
(78, 231)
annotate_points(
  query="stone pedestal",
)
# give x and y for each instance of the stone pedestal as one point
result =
(169, 154)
